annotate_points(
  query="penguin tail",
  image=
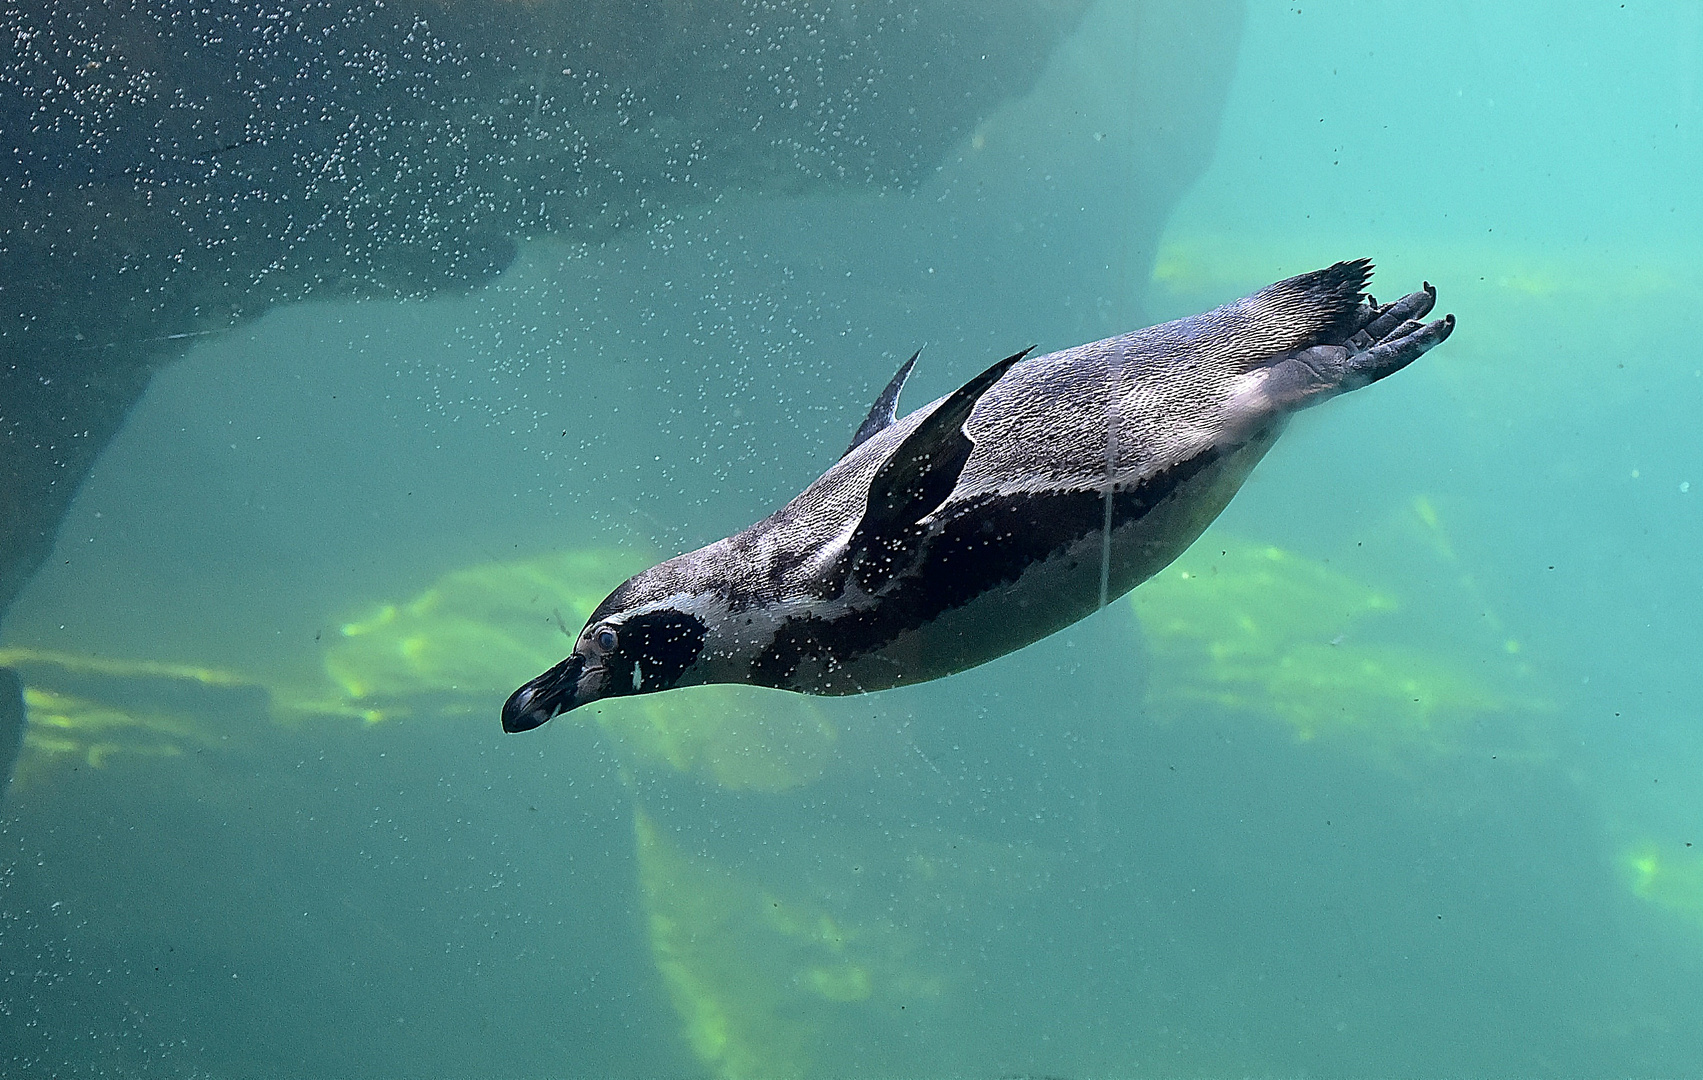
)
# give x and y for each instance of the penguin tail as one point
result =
(1324, 306)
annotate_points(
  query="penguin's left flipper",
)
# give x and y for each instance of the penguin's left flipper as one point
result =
(1391, 338)
(917, 478)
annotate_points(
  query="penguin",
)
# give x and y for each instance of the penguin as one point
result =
(996, 515)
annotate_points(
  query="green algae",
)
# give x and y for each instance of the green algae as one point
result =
(1251, 628)
(473, 635)
(760, 977)
(1669, 877)
(740, 738)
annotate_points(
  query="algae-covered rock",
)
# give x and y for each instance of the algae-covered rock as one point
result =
(741, 738)
(466, 642)
(474, 635)
(759, 977)
(1668, 876)
(459, 647)
(12, 723)
(1235, 598)
(97, 712)
(66, 730)
(1253, 628)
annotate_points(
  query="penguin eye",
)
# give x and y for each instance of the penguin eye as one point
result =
(606, 639)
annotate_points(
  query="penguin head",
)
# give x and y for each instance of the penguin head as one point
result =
(627, 647)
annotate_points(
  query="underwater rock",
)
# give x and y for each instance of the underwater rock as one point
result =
(91, 711)
(736, 738)
(448, 651)
(768, 979)
(458, 645)
(455, 645)
(1669, 877)
(1253, 629)
(11, 724)
(174, 173)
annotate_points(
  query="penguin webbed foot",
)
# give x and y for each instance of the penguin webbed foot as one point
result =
(1385, 339)
(1381, 320)
(1395, 338)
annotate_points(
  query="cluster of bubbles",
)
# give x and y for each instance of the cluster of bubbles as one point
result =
(169, 171)
(186, 164)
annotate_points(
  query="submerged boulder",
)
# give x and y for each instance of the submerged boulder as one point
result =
(172, 171)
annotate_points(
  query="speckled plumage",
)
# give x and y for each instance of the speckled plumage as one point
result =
(992, 517)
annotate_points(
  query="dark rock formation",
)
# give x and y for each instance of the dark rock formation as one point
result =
(12, 718)
(177, 169)
(172, 170)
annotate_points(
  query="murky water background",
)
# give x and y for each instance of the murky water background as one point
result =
(1397, 771)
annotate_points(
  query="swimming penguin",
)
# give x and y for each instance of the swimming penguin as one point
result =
(992, 517)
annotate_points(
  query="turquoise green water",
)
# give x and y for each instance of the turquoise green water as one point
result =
(1405, 777)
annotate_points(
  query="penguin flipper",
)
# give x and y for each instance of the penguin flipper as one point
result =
(917, 478)
(886, 407)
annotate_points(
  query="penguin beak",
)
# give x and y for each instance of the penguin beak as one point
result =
(551, 694)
